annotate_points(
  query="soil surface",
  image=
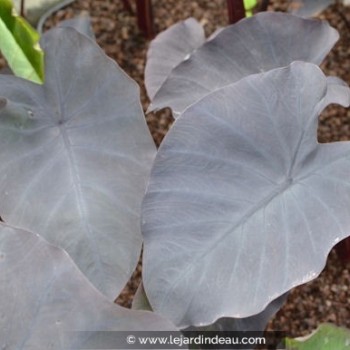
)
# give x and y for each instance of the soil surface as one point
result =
(326, 299)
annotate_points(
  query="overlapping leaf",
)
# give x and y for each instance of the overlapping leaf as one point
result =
(255, 323)
(243, 203)
(253, 45)
(47, 303)
(36, 10)
(326, 337)
(75, 155)
(308, 8)
(170, 48)
(19, 44)
(140, 300)
(82, 24)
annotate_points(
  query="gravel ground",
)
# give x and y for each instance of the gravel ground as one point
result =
(326, 299)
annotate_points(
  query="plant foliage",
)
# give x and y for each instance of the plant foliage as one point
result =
(75, 155)
(326, 337)
(242, 199)
(253, 45)
(47, 303)
(242, 203)
(19, 44)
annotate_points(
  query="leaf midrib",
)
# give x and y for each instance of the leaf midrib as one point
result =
(75, 175)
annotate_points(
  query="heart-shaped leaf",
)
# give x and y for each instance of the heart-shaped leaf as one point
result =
(47, 303)
(19, 44)
(265, 41)
(170, 48)
(75, 156)
(243, 203)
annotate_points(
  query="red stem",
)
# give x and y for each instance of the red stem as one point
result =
(343, 250)
(22, 9)
(128, 6)
(236, 10)
(145, 17)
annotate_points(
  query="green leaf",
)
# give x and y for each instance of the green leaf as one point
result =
(140, 301)
(37, 11)
(249, 6)
(19, 44)
(326, 337)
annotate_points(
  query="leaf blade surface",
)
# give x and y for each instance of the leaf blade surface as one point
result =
(242, 199)
(47, 303)
(19, 45)
(75, 157)
(168, 49)
(253, 45)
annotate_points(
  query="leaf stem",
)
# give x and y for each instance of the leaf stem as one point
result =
(22, 9)
(236, 10)
(127, 6)
(343, 250)
(145, 17)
